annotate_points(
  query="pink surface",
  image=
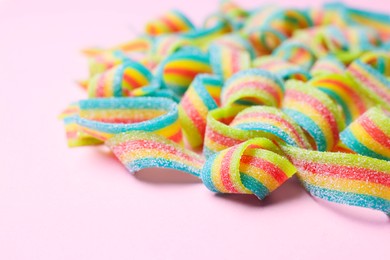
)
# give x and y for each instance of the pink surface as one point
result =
(60, 203)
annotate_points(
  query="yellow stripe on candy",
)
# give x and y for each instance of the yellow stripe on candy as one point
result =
(365, 138)
(340, 184)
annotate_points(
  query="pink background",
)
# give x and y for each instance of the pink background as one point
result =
(60, 203)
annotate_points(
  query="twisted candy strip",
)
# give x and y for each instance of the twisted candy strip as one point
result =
(315, 112)
(253, 167)
(119, 81)
(104, 118)
(273, 121)
(369, 134)
(170, 22)
(219, 135)
(258, 167)
(201, 97)
(253, 86)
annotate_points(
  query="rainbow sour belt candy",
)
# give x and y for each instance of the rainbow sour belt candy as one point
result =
(264, 94)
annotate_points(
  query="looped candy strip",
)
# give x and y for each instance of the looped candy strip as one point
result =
(265, 94)
(202, 96)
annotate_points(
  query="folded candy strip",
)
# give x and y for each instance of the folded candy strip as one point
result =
(267, 94)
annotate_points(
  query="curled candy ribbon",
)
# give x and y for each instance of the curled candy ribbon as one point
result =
(267, 95)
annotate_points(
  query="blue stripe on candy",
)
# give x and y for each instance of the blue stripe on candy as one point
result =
(349, 198)
(254, 186)
(310, 126)
(349, 139)
(206, 173)
(207, 152)
(215, 59)
(126, 102)
(199, 86)
(151, 162)
(117, 82)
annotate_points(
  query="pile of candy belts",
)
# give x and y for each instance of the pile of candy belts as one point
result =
(265, 94)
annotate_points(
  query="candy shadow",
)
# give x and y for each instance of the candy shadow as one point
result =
(165, 176)
(289, 191)
(353, 213)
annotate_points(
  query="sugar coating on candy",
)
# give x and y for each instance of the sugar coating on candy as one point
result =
(315, 112)
(74, 136)
(201, 97)
(219, 135)
(344, 92)
(254, 166)
(120, 80)
(258, 90)
(158, 115)
(273, 121)
(344, 178)
(253, 86)
(376, 86)
(369, 134)
(139, 150)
